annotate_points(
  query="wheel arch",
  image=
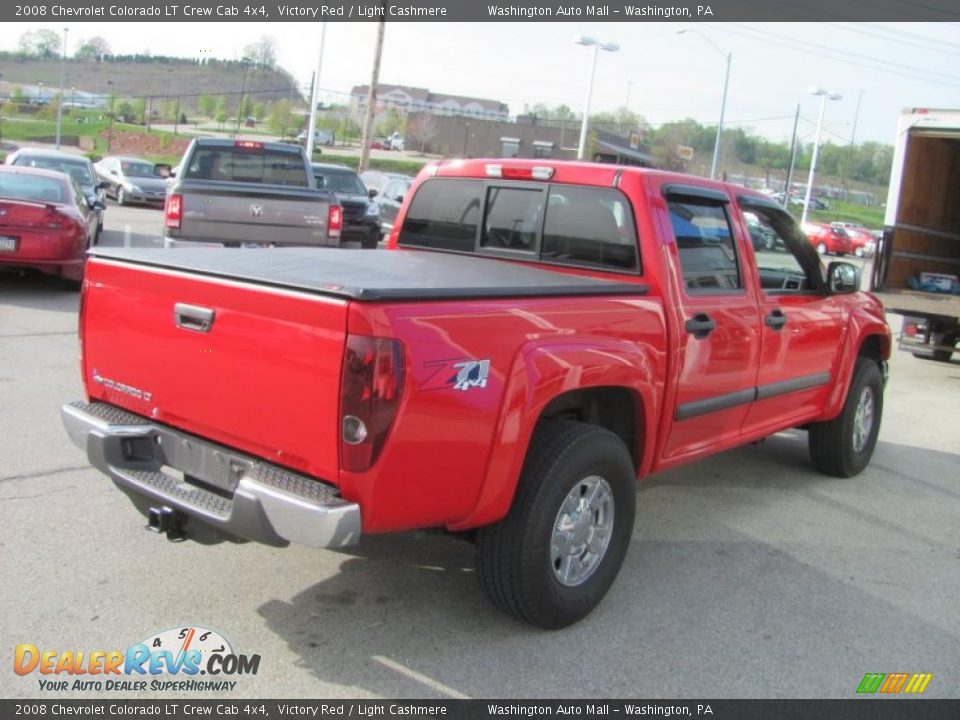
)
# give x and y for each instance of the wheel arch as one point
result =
(616, 390)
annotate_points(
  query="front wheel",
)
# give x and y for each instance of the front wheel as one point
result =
(842, 447)
(553, 558)
(121, 196)
(822, 248)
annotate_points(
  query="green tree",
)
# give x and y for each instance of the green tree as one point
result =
(246, 107)
(139, 111)
(96, 48)
(390, 123)
(125, 110)
(263, 53)
(221, 114)
(18, 95)
(259, 112)
(40, 43)
(206, 105)
(281, 117)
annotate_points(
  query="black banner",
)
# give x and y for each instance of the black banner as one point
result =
(479, 11)
(866, 709)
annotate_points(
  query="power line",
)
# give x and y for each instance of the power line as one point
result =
(923, 42)
(723, 27)
(807, 43)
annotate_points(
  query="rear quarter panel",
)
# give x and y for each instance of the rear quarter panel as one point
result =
(454, 456)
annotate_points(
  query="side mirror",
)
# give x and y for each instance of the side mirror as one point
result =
(163, 170)
(842, 278)
(99, 205)
(103, 185)
(372, 193)
(399, 198)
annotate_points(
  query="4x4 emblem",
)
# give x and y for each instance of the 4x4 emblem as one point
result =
(256, 210)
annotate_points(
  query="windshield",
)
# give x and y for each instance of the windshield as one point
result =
(346, 183)
(138, 169)
(30, 187)
(77, 169)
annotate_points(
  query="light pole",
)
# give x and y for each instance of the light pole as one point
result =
(629, 86)
(723, 103)
(110, 127)
(39, 92)
(597, 47)
(315, 95)
(824, 96)
(63, 64)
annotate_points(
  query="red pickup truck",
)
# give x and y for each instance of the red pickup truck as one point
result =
(537, 337)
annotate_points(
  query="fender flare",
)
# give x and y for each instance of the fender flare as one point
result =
(540, 373)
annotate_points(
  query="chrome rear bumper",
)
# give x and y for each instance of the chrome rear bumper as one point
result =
(171, 472)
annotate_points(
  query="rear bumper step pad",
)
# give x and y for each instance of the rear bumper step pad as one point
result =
(237, 494)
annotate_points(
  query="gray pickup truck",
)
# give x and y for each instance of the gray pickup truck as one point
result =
(238, 193)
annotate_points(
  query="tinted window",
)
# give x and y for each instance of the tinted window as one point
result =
(138, 169)
(250, 166)
(79, 170)
(31, 187)
(580, 225)
(444, 214)
(339, 181)
(785, 258)
(705, 245)
(513, 219)
(589, 226)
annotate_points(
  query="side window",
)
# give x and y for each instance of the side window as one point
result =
(513, 218)
(705, 244)
(589, 226)
(445, 215)
(786, 260)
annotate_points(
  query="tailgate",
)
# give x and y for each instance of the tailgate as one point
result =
(283, 216)
(252, 367)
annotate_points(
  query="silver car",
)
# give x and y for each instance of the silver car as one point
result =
(132, 180)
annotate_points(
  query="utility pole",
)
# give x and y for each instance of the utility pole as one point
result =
(793, 158)
(315, 95)
(110, 127)
(63, 62)
(372, 92)
(850, 150)
(243, 89)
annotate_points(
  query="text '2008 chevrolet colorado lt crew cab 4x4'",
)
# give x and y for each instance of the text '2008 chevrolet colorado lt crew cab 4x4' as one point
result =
(536, 339)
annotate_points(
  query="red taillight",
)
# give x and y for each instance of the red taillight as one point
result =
(51, 218)
(369, 396)
(173, 211)
(910, 330)
(334, 221)
(248, 145)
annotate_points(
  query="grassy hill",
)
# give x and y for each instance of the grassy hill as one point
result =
(162, 78)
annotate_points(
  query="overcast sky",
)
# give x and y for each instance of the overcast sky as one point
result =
(667, 76)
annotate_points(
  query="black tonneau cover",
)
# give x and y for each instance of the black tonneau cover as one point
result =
(373, 274)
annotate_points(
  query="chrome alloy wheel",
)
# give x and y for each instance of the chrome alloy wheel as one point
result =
(582, 531)
(863, 419)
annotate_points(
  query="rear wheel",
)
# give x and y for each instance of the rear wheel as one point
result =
(842, 447)
(553, 558)
(370, 242)
(822, 248)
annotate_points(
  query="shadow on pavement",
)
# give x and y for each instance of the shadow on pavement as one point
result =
(733, 587)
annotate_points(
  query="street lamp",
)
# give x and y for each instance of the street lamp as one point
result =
(39, 92)
(597, 47)
(63, 63)
(110, 127)
(723, 103)
(824, 96)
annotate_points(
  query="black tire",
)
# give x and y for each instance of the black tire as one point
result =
(121, 196)
(514, 556)
(370, 242)
(936, 355)
(832, 443)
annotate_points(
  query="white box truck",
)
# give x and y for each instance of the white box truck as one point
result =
(921, 235)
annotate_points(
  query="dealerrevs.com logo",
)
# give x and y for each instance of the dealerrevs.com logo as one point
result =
(180, 659)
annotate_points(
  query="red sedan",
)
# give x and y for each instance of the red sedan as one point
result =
(828, 238)
(45, 222)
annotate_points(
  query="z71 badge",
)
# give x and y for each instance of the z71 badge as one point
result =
(461, 375)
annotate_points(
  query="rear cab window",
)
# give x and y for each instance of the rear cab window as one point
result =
(247, 165)
(573, 225)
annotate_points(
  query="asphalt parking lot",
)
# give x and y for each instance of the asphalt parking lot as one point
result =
(749, 575)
